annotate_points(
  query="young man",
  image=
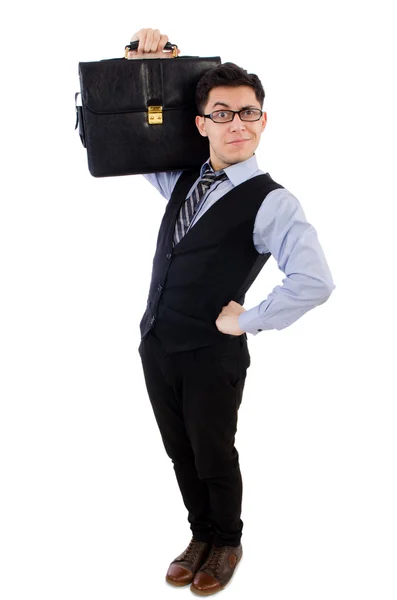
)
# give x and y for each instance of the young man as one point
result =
(220, 226)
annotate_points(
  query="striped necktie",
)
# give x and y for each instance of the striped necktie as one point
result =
(188, 209)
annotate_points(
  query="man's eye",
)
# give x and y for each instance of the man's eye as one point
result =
(248, 112)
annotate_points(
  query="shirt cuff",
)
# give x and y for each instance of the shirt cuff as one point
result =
(249, 322)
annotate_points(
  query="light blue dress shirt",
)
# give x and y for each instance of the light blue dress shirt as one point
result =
(280, 228)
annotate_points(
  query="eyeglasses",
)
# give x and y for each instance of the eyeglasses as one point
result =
(225, 116)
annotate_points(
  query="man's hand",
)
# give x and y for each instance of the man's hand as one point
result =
(227, 321)
(151, 45)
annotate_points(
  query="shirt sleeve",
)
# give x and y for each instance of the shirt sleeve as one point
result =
(164, 182)
(282, 229)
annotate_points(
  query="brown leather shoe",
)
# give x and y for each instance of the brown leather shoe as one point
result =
(217, 570)
(184, 567)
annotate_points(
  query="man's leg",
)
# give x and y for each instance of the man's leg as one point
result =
(210, 386)
(168, 410)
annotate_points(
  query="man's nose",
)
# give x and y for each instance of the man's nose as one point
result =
(237, 123)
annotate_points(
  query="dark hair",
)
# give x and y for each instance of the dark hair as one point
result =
(226, 74)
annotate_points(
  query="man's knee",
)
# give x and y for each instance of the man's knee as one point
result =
(217, 466)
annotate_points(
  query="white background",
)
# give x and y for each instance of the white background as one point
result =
(90, 507)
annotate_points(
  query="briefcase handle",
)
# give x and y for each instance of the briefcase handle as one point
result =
(134, 46)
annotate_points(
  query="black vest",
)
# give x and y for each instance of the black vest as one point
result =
(215, 262)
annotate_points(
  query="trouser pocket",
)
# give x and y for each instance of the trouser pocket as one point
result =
(233, 360)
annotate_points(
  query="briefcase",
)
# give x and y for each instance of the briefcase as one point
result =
(138, 115)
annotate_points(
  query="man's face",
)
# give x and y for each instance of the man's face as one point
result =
(237, 140)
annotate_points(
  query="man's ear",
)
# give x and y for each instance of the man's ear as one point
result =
(200, 124)
(264, 120)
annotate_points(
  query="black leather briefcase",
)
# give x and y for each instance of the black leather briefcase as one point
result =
(138, 115)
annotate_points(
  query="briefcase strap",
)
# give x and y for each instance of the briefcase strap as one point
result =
(79, 120)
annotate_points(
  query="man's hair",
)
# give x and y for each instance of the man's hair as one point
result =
(226, 74)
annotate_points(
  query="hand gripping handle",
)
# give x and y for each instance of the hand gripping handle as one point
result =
(134, 46)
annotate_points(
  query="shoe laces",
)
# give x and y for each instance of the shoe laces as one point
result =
(215, 558)
(192, 550)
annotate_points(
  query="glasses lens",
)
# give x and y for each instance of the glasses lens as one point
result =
(251, 114)
(222, 116)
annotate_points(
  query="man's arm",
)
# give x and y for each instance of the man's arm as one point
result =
(164, 182)
(282, 229)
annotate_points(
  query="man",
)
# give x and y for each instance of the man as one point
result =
(220, 226)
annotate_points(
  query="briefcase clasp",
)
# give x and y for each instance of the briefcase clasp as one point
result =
(155, 115)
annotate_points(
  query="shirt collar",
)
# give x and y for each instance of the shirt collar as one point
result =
(237, 173)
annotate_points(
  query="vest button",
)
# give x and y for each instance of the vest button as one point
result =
(152, 320)
(168, 255)
(159, 287)
(259, 329)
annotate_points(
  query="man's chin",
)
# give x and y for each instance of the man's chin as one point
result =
(231, 158)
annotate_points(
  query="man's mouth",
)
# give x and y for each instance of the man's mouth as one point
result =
(239, 141)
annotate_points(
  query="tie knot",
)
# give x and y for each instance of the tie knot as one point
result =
(209, 177)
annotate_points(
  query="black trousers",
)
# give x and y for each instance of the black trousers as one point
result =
(195, 397)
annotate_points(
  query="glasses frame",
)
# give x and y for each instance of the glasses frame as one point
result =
(235, 112)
